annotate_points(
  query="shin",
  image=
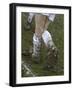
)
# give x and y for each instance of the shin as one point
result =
(36, 45)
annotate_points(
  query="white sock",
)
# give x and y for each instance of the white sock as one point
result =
(46, 36)
(36, 44)
(30, 17)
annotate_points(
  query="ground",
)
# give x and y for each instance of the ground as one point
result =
(29, 68)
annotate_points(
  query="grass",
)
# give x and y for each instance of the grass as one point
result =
(56, 29)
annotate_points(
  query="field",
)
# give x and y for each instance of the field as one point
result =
(29, 68)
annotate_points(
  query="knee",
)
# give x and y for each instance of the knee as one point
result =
(39, 33)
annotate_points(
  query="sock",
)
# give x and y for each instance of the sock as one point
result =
(47, 39)
(36, 45)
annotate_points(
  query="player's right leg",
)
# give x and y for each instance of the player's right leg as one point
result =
(39, 27)
(36, 48)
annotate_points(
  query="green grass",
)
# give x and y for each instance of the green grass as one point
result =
(56, 29)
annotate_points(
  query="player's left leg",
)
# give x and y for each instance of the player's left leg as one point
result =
(52, 52)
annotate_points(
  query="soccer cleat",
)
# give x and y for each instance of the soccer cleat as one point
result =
(35, 58)
(53, 51)
(52, 59)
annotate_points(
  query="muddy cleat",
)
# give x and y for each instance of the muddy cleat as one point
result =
(35, 58)
(53, 51)
(52, 59)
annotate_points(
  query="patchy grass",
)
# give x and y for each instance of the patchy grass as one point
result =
(56, 29)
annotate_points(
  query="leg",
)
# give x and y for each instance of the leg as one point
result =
(39, 25)
(36, 48)
(52, 52)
